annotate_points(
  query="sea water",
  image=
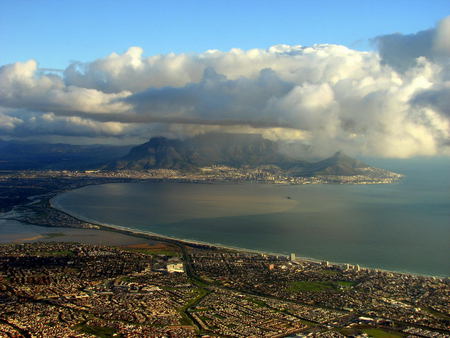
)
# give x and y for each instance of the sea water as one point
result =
(403, 226)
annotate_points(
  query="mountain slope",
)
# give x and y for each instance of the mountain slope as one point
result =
(234, 150)
(41, 156)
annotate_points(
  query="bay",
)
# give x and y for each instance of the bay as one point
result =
(403, 227)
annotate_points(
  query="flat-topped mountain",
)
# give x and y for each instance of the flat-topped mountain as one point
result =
(240, 151)
(234, 150)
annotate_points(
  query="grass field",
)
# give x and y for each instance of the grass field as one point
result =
(157, 249)
(58, 253)
(379, 333)
(312, 286)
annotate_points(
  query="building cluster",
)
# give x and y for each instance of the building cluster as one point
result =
(387, 297)
(233, 314)
(68, 289)
(215, 173)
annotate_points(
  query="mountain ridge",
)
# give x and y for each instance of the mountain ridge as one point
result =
(16, 155)
(244, 152)
(233, 150)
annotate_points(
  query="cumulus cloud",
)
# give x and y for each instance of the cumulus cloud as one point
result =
(22, 86)
(402, 50)
(393, 102)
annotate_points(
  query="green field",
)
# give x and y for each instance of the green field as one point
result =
(345, 284)
(56, 253)
(313, 286)
(156, 251)
(379, 333)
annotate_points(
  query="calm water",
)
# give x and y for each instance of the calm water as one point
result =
(402, 227)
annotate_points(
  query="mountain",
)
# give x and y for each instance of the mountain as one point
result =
(234, 150)
(16, 155)
(339, 164)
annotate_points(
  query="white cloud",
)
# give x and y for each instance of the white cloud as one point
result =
(392, 103)
(22, 87)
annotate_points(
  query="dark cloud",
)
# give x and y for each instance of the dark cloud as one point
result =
(437, 98)
(401, 51)
(215, 99)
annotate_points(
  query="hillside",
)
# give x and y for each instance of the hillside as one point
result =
(236, 150)
(188, 155)
(42, 156)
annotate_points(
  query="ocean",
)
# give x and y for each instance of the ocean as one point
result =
(403, 226)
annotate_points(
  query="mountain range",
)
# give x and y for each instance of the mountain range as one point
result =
(191, 154)
(16, 155)
(234, 150)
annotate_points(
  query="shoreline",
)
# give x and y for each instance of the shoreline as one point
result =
(131, 231)
(152, 235)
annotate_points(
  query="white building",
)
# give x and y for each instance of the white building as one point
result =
(175, 267)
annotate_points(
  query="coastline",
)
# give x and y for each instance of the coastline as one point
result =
(155, 236)
(131, 231)
(317, 296)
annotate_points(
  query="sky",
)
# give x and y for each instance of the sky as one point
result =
(58, 32)
(367, 77)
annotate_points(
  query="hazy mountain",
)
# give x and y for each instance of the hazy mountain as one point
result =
(235, 150)
(39, 156)
(338, 164)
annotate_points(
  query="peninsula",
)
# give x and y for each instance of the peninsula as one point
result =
(205, 158)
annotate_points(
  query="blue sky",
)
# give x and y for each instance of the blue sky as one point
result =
(392, 101)
(57, 32)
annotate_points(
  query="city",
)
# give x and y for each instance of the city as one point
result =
(177, 288)
(224, 169)
(69, 289)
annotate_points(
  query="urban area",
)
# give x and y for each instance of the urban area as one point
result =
(174, 288)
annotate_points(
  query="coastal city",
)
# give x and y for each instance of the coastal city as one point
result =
(216, 173)
(175, 289)
(224, 169)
